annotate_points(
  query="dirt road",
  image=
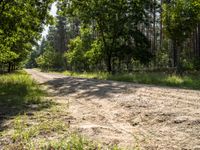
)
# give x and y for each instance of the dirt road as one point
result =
(129, 115)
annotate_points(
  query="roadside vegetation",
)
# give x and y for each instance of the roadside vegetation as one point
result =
(18, 90)
(188, 81)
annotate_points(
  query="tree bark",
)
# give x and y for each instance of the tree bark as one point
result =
(9, 67)
(161, 25)
(176, 56)
(198, 40)
(109, 65)
(154, 27)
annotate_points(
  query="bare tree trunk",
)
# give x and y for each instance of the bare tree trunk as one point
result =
(161, 25)
(9, 67)
(176, 56)
(154, 27)
(109, 65)
(198, 40)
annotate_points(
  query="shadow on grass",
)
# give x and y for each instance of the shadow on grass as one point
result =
(19, 95)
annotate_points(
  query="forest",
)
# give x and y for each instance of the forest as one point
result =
(99, 74)
(103, 35)
(122, 36)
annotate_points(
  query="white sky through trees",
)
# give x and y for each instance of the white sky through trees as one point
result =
(53, 13)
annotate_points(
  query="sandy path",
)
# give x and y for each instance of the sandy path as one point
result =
(129, 115)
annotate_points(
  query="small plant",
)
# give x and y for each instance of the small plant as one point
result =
(73, 142)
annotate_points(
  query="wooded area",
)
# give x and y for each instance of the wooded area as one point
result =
(103, 35)
(21, 23)
(118, 36)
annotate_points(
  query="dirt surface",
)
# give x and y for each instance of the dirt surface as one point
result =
(128, 115)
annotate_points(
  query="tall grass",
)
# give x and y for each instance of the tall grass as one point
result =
(189, 81)
(94, 75)
(186, 81)
(18, 88)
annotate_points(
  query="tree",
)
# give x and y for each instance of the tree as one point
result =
(20, 28)
(61, 32)
(180, 18)
(50, 59)
(115, 23)
(84, 51)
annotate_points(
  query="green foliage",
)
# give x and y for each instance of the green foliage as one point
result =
(115, 27)
(180, 18)
(6, 55)
(102, 35)
(20, 28)
(51, 49)
(84, 52)
(162, 57)
(94, 55)
(187, 65)
(49, 59)
(46, 60)
(75, 56)
(196, 63)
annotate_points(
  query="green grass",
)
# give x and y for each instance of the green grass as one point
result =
(18, 88)
(188, 81)
(94, 75)
(46, 130)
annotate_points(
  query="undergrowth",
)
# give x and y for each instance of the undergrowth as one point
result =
(188, 81)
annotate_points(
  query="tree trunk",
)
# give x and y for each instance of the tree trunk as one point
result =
(9, 67)
(198, 41)
(176, 57)
(161, 25)
(154, 27)
(109, 65)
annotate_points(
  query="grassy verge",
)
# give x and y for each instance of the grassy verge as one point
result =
(186, 81)
(18, 89)
(29, 120)
(45, 130)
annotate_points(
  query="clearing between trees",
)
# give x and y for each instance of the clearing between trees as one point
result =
(127, 115)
